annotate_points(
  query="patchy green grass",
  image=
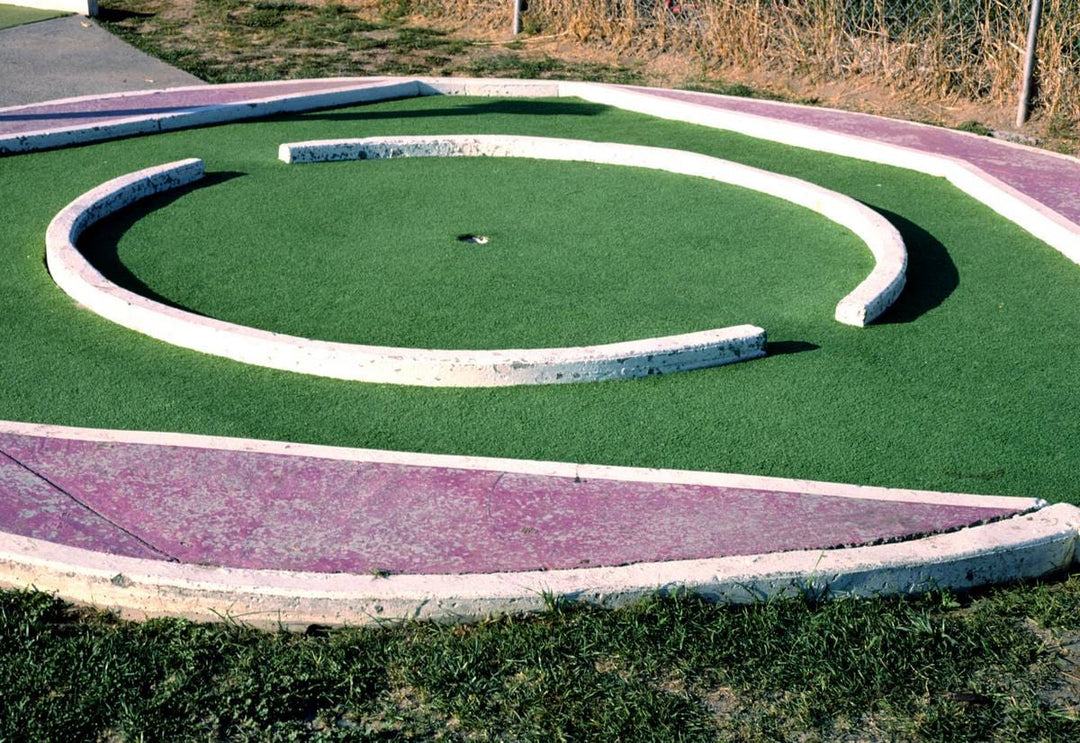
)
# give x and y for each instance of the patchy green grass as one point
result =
(225, 41)
(743, 91)
(16, 15)
(975, 127)
(1002, 666)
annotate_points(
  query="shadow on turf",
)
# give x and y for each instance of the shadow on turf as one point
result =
(931, 273)
(116, 15)
(784, 348)
(528, 108)
(99, 243)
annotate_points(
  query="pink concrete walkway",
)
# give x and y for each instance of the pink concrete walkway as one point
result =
(1052, 180)
(266, 510)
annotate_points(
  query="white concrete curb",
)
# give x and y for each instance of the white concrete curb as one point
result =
(82, 7)
(1038, 219)
(872, 297)
(351, 92)
(1041, 221)
(413, 366)
(1025, 546)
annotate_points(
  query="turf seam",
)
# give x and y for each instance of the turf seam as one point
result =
(89, 508)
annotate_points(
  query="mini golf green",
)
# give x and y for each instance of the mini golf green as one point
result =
(968, 383)
(369, 252)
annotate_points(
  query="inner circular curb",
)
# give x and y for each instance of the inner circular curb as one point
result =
(461, 368)
(73, 273)
(869, 299)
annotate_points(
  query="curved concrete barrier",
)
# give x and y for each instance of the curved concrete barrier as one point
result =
(869, 299)
(1025, 546)
(1009, 200)
(411, 366)
(1027, 539)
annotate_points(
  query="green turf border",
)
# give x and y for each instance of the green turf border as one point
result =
(974, 364)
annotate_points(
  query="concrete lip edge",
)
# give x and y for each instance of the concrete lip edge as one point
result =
(425, 367)
(1024, 546)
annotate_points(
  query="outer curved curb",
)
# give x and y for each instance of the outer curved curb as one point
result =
(1038, 219)
(425, 367)
(1025, 546)
(872, 297)
(351, 91)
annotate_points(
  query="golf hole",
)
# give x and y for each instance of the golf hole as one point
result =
(472, 239)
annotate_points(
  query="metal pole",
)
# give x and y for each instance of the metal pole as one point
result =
(1029, 63)
(517, 15)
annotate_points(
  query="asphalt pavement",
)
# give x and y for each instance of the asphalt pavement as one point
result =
(74, 56)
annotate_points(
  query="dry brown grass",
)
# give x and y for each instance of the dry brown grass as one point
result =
(935, 49)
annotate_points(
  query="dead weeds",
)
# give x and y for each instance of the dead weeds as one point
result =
(249, 40)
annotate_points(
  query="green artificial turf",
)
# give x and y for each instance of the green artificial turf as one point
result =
(368, 252)
(969, 383)
(15, 15)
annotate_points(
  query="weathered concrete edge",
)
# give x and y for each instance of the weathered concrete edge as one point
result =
(869, 299)
(1045, 223)
(523, 466)
(339, 83)
(350, 93)
(1026, 546)
(1041, 221)
(411, 366)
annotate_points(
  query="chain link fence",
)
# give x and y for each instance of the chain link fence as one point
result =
(968, 49)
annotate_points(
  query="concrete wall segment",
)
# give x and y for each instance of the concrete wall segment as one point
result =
(82, 7)
(1025, 546)
(425, 367)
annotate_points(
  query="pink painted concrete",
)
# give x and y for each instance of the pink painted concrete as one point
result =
(260, 510)
(88, 111)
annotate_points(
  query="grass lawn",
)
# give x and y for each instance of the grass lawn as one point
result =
(1001, 667)
(967, 384)
(16, 15)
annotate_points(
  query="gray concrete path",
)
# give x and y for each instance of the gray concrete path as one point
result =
(73, 56)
